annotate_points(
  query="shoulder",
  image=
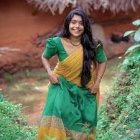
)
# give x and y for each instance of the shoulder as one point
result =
(52, 41)
(99, 44)
(100, 53)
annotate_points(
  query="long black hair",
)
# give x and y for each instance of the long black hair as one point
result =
(87, 41)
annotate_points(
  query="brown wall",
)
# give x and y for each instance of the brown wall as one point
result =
(20, 23)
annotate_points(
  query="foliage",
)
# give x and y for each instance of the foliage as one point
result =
(135, 34)
(34, 74)
(119, 117)
(30, 74)
(13, 126)
(9, 78)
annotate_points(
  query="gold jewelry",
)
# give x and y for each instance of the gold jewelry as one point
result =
(75, 44)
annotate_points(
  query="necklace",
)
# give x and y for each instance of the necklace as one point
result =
(78, 44)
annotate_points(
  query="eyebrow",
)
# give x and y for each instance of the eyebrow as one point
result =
(76, 20)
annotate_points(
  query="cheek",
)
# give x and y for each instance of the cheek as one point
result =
(82, 28)
(70, 26)
(71, 29)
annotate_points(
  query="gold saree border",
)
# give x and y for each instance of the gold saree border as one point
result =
(55, 129)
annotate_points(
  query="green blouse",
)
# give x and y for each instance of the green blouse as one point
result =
(54, 46)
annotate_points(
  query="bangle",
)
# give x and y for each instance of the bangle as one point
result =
(99, 77)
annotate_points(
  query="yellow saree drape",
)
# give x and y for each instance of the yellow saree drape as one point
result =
(71, 68)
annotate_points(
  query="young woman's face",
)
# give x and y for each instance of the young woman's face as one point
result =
(76, 27)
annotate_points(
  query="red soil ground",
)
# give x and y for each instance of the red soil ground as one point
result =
(20, 24)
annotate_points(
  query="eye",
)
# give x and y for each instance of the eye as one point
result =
(81, 23)
(73, 21)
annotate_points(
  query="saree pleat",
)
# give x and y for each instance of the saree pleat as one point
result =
(70, 111)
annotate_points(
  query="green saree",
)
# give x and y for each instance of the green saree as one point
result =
(70, 111)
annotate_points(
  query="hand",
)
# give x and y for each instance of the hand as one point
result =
(95, 88)
(53, 78)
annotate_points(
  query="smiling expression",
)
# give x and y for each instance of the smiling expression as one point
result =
(76, 27)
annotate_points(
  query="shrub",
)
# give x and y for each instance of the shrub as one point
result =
(119, 117)
(13, 126)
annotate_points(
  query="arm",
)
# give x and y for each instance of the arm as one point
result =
(100, 72)
(53, 79)
(101, 61)
(50, 50)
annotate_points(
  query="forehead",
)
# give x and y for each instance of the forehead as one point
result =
(77, 18)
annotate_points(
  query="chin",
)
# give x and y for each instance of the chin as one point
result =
(76, 35)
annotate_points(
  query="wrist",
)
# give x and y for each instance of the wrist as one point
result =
(50, 73)
(97, 82)
(99, 78)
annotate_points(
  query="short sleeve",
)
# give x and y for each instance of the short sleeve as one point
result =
(100, 54)
(50, 48)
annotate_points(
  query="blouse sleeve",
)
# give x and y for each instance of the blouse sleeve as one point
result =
(50, 49)
(100, 54)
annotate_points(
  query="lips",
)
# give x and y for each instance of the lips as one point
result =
(76, 30)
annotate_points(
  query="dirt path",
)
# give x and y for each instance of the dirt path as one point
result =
(29, 89)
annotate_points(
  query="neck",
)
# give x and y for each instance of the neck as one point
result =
(75, 41)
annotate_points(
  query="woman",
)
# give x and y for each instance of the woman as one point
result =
(70, 111)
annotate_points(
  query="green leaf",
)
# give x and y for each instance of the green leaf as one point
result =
(137, 36)
(128, 33)
(136, 22)
(132, 48)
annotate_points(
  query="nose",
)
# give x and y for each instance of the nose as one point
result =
(77, 24)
